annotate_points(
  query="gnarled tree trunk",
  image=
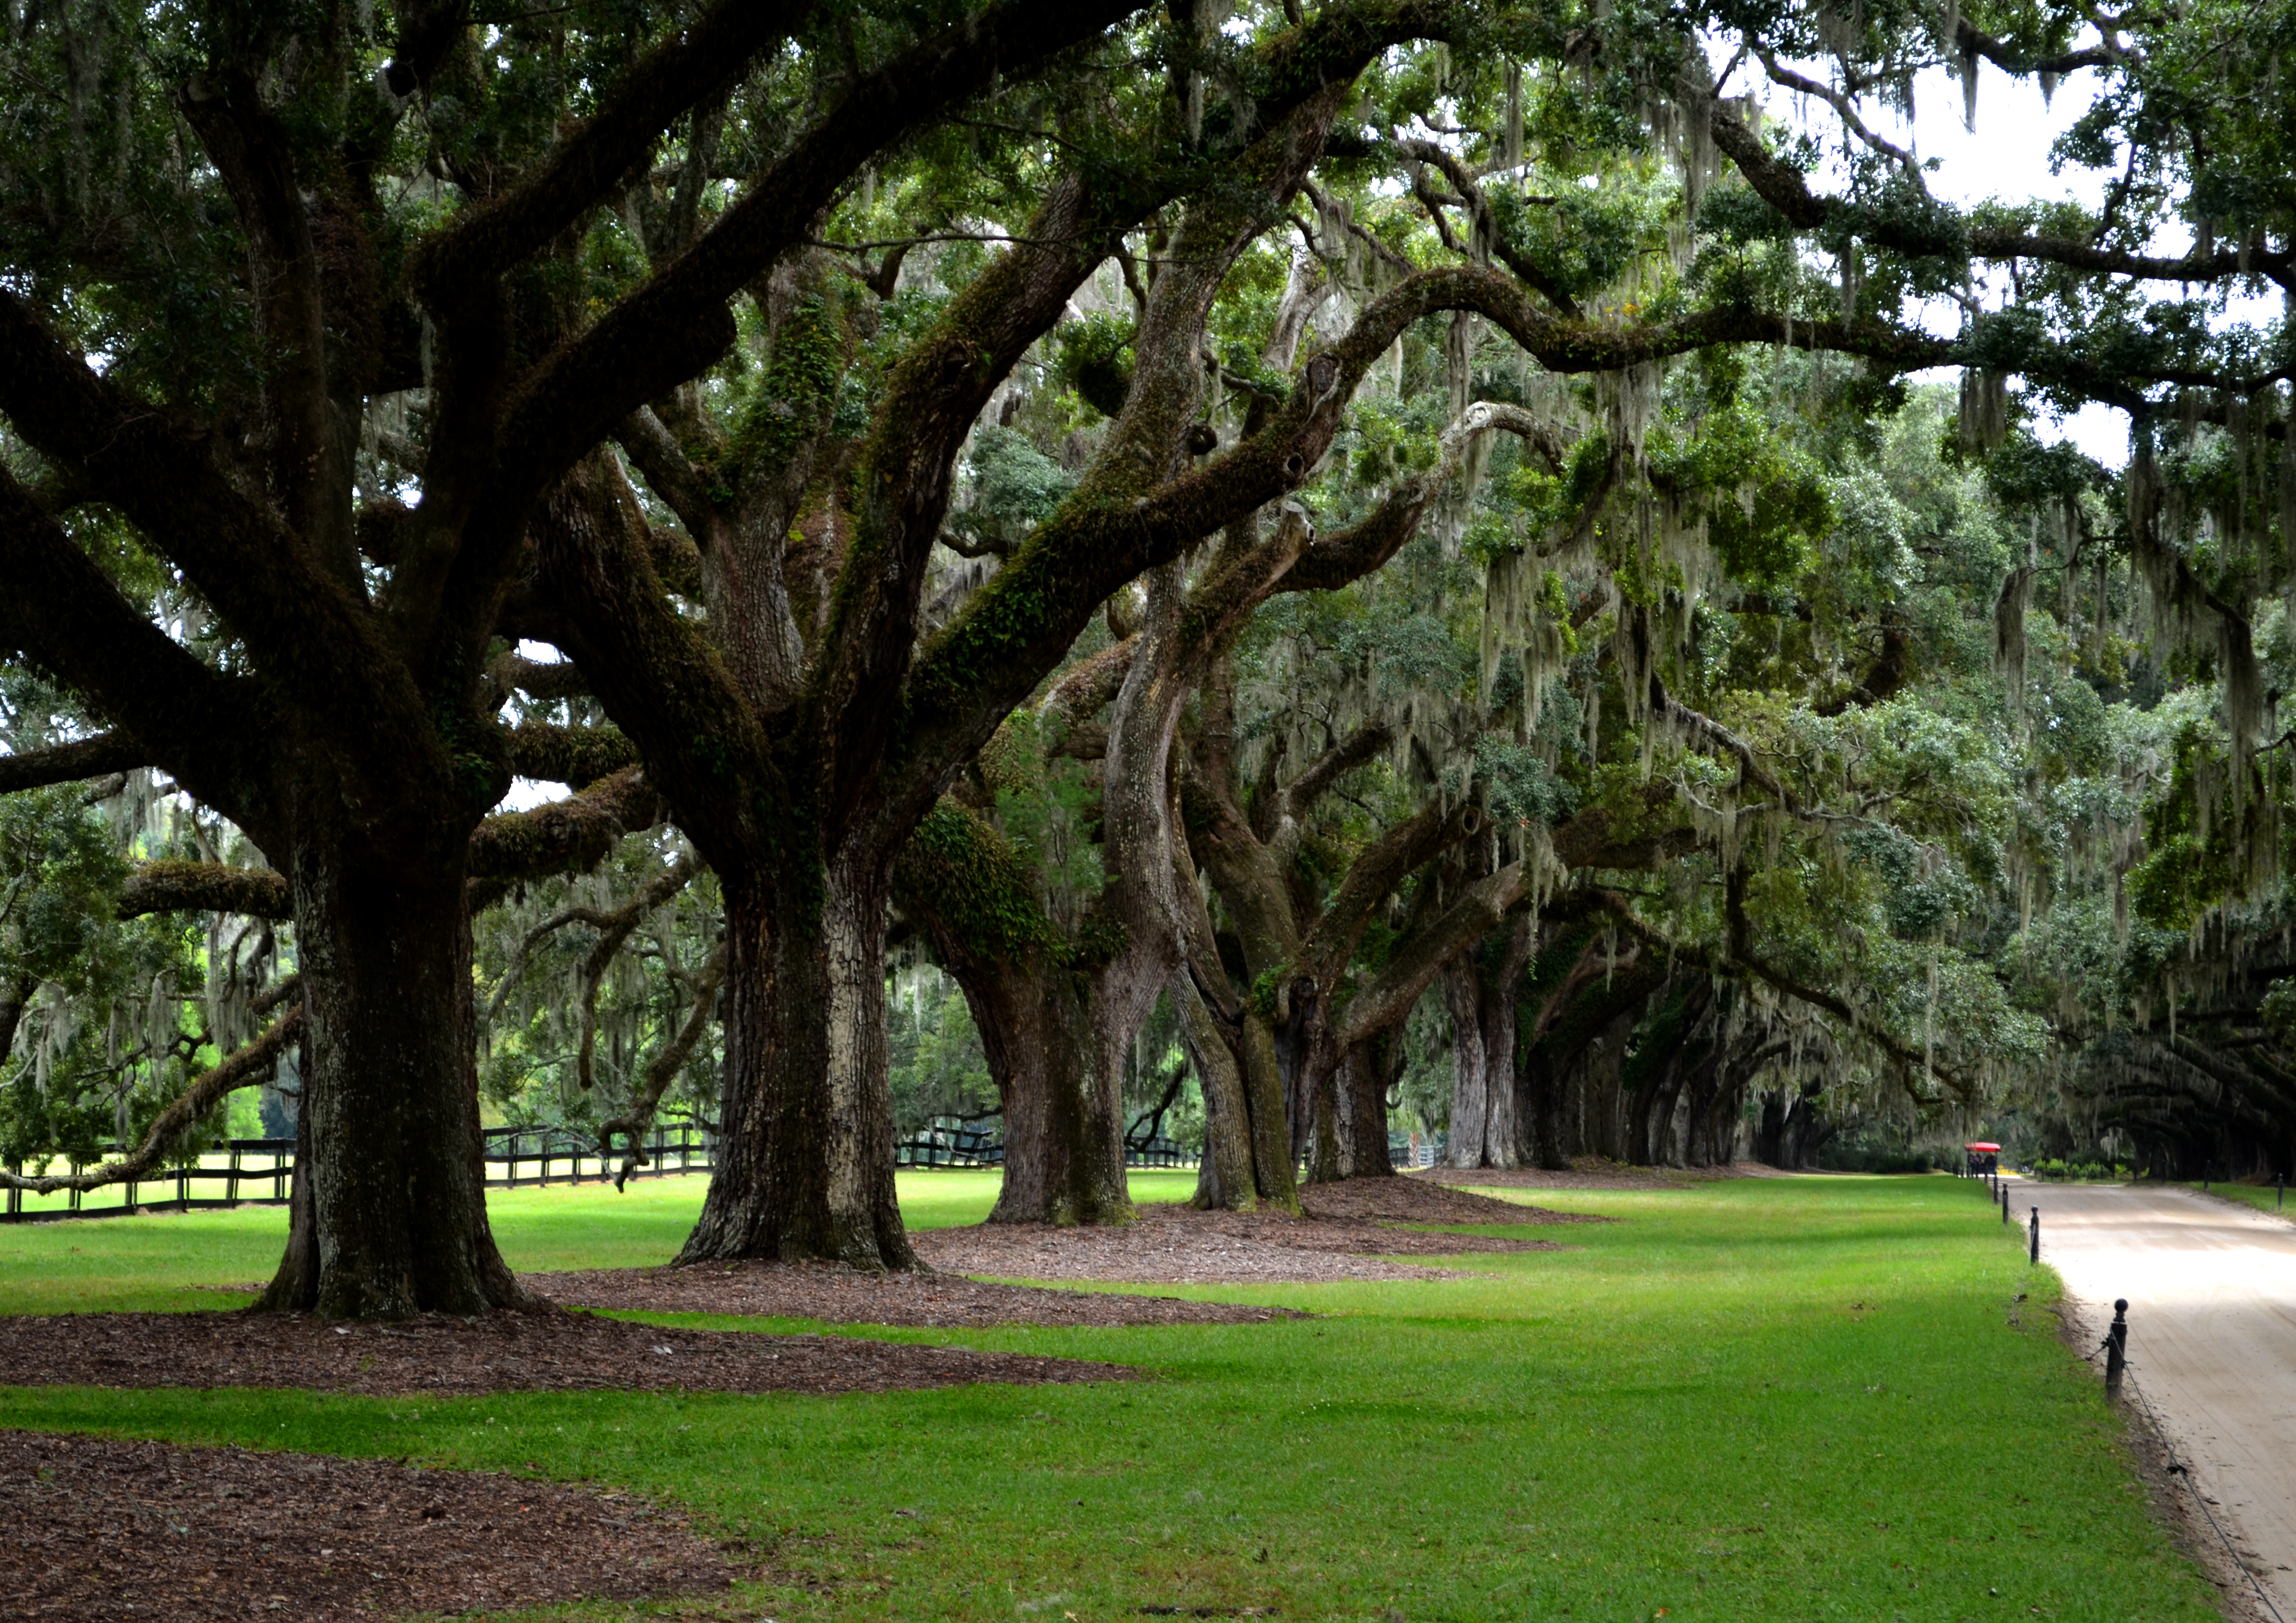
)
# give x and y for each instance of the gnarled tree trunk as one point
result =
(1486, 1129)
(390, 1179)
(805, 1165)
(1063, 1135)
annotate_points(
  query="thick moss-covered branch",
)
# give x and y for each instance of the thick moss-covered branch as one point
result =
(541, 680)
(61, 609)
(1391, 993)
(659, 675)
(576, 757)
(207, 887)
(569, 836)
(301, 625)
(960, 880)
(1373, 877)
(72, 763)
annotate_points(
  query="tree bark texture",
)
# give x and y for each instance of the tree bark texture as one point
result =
(805, 1164)
(391, 1153)
(1480, 990)
(1064, 1143)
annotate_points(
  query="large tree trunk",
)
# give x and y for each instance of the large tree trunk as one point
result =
(805, 1159)
(1248, 1161)
(1471, 1099)
(389, 1181)
(1063, 1127)
(1360, 1091)
(1486, 1125)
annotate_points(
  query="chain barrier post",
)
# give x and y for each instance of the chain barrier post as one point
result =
(2115, 1347)
(2035, 1255)
(2004, 1194)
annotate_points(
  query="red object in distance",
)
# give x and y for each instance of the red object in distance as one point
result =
(1984, 1149)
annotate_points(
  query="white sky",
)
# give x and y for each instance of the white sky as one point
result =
(2006, 156)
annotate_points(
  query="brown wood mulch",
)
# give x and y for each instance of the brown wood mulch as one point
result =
(1587, 1172)
(846, 1296)
(441, 1356)
(1349, 1232)
(95, 1528)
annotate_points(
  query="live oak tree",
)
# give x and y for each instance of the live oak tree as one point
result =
(259, 206)
(395, 343)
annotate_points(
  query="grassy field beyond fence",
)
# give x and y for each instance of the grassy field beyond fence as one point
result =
(1756, 1399)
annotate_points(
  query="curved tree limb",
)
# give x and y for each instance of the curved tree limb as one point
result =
(1391, 993)
(703, 60)
(244, 1068)
(616, 924)
(662, 1069)
(207, 887)
(566, 836)
(576, 757)
(61, 609)
(99, 756)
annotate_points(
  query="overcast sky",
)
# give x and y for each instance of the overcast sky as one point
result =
(2006, 156)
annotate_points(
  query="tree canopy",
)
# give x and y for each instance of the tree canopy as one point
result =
(1264, 542)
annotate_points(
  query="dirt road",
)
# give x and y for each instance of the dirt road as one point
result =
(2212, 1291)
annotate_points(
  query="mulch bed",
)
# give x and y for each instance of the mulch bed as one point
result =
(441, 1356)
(1587, 1172)
(95, 1528)
(1349, 1232)
(846, 1296)
(1419, 1200)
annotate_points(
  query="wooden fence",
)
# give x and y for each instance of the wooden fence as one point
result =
(690, 1148)
(245, 1182)
(950, 1141)
(261, 1171)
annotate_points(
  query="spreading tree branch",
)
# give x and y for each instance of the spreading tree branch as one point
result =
(244, 1068)
(662, 1069)
(206, 887)
(99, 756)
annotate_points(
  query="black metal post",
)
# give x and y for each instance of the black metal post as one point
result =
(2116, 1349)
(2035, 1255)
(2004, 1204)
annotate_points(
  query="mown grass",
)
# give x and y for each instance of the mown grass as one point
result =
(1759, 1399)
(2264, 1197)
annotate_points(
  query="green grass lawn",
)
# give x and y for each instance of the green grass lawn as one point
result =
(1757, 1399)
(2264, 1197)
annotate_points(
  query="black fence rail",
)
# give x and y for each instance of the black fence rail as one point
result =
(948, 1142)
(255, 1172)
(261, 1171)
(568, 1155)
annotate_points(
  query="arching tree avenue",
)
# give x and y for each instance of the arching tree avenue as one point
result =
(438, 289)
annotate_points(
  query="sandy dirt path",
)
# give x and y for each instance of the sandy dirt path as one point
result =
(2211, 1290)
